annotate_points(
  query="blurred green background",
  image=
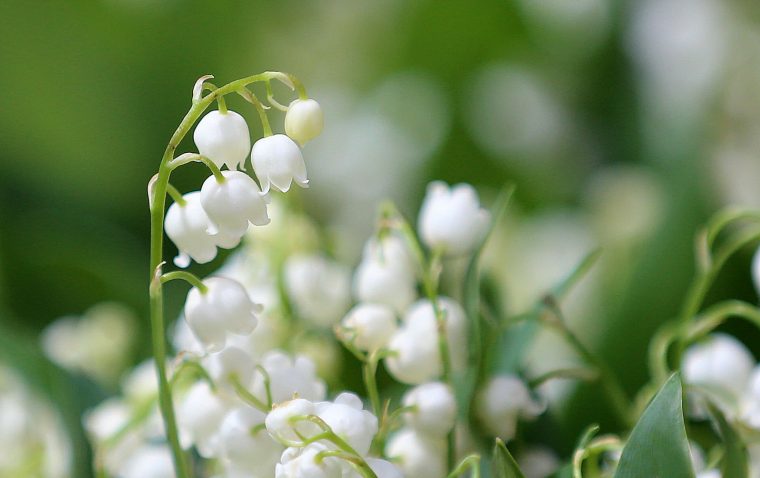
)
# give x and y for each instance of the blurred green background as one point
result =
(605, 114)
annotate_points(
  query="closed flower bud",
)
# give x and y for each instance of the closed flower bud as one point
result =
(278, 161)
(386, 274)
(288, 377)
(348, 419)
(224, 308)
(187, 225)
(318, 287)
(282, 422)
(434, 409)
(223, 138)
(304, 120)
(244, 445)
(451, 219)
(306, 463)
(198, 417)
(720, 364)
(416, 356)
(370, 326)
(505, 400)
(231, 205)
(417, 455)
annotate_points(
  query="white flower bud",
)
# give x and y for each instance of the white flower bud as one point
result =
(288, 377)
(384, 468)
(198, 418)
(223, 138)
(722, 365)
(278, 161)
(188, 225)
(304, 120)
(504, 400)
(231, 205)
(451, 218)
(348, 419)
(280, 421)
(417, 455)
(224, 308)
(435, 409)
(318, 287)
(370, 326)
(149, 461)
(305, 463)
(416, 355)
(386, 274)
(246, 447)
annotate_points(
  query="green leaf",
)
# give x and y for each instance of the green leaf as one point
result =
(734, 461)
(580, 451)
(658, 447)
(503, 464)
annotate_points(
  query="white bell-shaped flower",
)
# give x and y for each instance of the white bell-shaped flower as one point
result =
(433, 409)
(223, 138)
(231, 363)
(417, 455)
(187, 225)
(244, 446)
(304, 120)
(198, 418)
(277, 161)
(288, 377)
(416, 356)
(749, 407)
(384, 468)
(504, 400)
(370, 326)
(224, 308)
(286, 418)
(232, 204)
(386, 274)
(149, 461)
(318, 287)
(306, 463)
(451, 219)
(348, 419)
(720, 366)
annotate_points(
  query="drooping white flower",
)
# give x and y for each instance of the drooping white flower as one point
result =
(416, 356)
(348, 419)
(417, 455)
(288, 376)
(245, 446)
(433, 409)
(318, 287)
(304, 120)
(188, 225)
(232, 204)
(223, 138)
(305, 463)
(277, 161)
(198, 418)
(224, 308)
(231, 363)
(721, 367)
(384, 468)
(370, 326)
(749, 405)
(284, 419)
(451, 218)
(386, 274)
(102, 423)
(149, 461)
(504, 400)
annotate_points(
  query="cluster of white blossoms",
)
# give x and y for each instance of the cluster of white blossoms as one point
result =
(219, 214)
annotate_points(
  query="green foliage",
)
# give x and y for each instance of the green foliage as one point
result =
(658, 446)
(503, 465)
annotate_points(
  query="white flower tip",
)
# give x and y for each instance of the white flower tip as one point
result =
(182, 260)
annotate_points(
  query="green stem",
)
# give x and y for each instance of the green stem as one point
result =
(471, 462)
(369, 370)
(188, 277)
(247, 396)
(251, 98)
(607, 379)
(195, 157)
(176, 195)
(157, 203)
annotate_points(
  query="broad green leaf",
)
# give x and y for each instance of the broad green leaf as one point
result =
(734, 461)
(503, 464)
(658, 447)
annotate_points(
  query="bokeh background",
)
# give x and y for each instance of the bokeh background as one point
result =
(624, 125)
